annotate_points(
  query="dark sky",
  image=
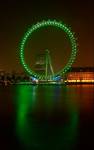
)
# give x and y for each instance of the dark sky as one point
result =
(17, 16)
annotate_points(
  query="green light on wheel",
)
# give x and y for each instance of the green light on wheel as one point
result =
(40, 25)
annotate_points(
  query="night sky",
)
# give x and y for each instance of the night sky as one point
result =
(17, 16)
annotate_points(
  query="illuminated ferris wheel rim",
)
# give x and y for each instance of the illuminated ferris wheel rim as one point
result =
(39, 25)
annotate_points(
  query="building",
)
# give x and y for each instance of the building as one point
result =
(39, 66)
(81, 75)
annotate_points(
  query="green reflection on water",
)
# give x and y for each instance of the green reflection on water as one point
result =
(47, 117)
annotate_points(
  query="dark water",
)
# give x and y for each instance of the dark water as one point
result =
(47, 117)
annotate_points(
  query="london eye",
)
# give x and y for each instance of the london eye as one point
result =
(48, 74)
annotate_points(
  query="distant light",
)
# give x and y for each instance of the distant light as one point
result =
(33, 78)
(57, 78)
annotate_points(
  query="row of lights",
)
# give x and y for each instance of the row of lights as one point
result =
(71, 81)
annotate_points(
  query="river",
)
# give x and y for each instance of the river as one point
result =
(54, 117)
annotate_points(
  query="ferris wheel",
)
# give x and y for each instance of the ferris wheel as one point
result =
(46, 75)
